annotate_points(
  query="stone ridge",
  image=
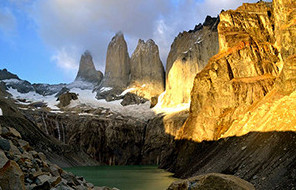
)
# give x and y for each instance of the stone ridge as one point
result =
(87, 71)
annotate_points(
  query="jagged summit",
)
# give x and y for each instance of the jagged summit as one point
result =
(87, 71)
(4, 74)
(211, 22)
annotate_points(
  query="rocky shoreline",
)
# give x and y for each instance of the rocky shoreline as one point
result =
(21, 167)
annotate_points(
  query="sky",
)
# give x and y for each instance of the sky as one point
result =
(42, 40)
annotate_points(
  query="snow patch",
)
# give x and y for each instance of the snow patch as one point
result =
(12, 81)
(158, 108)
(81, 84)
(127, 91)
(105, 89)
(34, 97)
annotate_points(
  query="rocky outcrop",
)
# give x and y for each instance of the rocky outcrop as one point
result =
(48, 89)
(117, 69)
(212, 181)
(3, 88)
(24, 168)
(87, 71)
(284, 16)
(189, 54)
(105, 136)
(147, 71)
(58, 153)
(4, 74)
(275, 112)
(65, 99)
(131, 99)
(241, 74)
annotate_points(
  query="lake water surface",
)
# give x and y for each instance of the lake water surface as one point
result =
(126, 177)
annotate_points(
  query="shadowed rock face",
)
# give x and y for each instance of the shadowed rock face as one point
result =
(189, 54)
(147, 69)
(212, 181)
(117, 63)
(87, 71)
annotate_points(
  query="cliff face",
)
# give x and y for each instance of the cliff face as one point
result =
(87, 71)
(241, 74)
(285, 25)
(189, 54)
(147, 71)
(117, 63)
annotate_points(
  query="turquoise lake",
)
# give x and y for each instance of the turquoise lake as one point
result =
(126, 177)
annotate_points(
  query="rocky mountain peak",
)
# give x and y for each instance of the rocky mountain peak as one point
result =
(117, 63)
(87, 71)
(147, 69)
(5, 74)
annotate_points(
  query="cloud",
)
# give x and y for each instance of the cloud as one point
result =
(66, 59)
(7, 21)
(90, 24)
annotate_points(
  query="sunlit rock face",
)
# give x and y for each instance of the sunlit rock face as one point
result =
(87, 71)
(117, 63)
(147, 71)
(189, 54)
(285, 30)
(241, 74)
(276, 111)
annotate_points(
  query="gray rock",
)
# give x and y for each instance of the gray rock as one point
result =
(4, 144)
(42, 179)
(65, 99)
(147, 68)
(117, 63)
(55, 170)
(13, 149)
(212, 181)
(48, 89)
(4, 74)
(130, 99)
(87, 71)
(62, 91)
(54, 181)
(3, 158)
(24, 144)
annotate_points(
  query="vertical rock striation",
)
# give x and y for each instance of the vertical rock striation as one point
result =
(285, 32)
(117, 63)
(189, 54)
(87, 71)
(147, 71)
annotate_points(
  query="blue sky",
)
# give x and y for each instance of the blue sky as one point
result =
(42, 40)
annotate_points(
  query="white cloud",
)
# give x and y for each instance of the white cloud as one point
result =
(7, 21)
(90, 24)
(66, 59)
